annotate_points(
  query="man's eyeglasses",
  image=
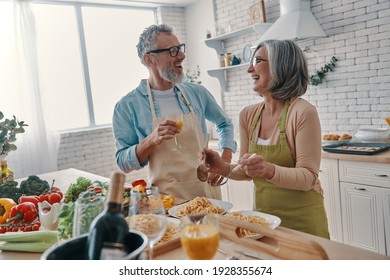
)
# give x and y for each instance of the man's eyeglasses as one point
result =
(256, 60)
(173, 51)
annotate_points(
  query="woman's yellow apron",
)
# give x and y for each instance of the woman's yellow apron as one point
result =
(299, 210)
(174, 171)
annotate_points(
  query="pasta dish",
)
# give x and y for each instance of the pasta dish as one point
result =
(199, 205)
(250, 219)
(171, 233)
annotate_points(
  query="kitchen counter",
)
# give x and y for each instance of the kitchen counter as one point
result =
(333, 249)
(383, 157)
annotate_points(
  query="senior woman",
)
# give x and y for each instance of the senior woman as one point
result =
(280, 141)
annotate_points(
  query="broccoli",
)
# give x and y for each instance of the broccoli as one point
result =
(34, 186)
(10, 190)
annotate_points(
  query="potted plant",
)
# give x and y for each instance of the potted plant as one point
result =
(8, 130)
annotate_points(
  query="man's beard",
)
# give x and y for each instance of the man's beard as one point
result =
(171, 76)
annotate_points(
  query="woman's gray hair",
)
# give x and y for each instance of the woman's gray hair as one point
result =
(147, 40)
(289, 76)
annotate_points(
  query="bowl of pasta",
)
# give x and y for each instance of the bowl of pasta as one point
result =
(257, 218)
(200, 205)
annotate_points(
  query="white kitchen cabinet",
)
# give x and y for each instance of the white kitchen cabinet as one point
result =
(329, 178)
(240, 193)
(386, 217)
(364, 193)
(217, 43)
(362, 215)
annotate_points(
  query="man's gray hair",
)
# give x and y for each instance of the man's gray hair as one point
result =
(147, 40)
(288, 70)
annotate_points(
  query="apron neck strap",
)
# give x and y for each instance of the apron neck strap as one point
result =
(150, 96)
(281, 119)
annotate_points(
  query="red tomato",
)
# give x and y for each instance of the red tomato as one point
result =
(55, 189)
(60, 193)
(43, 197)
(2, 229)
(54, 197)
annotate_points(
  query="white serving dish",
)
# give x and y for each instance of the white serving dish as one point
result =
(372, 134)
(221, 204)
(273, 221)
(335, 142)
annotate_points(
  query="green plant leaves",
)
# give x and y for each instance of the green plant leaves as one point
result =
(8, 130)
(316, 79)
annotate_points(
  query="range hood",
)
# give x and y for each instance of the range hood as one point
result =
(296, 22)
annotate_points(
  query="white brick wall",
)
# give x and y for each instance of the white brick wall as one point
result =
(356, 93)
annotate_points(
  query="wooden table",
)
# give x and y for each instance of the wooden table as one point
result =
(334, 250)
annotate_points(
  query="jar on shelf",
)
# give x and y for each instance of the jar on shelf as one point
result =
(222, 60)
(228, 59)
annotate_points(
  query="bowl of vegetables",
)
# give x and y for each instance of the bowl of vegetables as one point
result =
(76, 248)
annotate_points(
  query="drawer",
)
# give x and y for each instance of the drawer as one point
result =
(369, 173)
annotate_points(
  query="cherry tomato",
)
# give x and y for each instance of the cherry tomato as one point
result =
(27, 228)
(2, 229)
(15, 229)
(35, 227)
(54, 197)
(37, 223)
(97, 189)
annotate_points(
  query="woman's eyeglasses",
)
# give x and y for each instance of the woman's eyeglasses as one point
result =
(173, 51)
(256, 60)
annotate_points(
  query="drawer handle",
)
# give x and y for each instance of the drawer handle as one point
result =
(380, 175)
(359, 189)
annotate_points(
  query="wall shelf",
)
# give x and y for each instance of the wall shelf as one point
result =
(217, 43)
(220, 73)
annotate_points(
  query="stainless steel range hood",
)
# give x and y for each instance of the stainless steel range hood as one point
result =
(296, 22)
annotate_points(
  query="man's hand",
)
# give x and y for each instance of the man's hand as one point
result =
(164, 131)
(216, 165)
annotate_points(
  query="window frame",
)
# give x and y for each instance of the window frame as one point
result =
(83, 50)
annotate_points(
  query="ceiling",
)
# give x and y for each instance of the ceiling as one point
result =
(179, 3)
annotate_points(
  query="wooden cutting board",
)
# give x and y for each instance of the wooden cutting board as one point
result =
(276, 244)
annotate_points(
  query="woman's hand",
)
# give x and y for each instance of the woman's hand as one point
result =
(255, 166)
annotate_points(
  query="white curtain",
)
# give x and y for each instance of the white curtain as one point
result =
(37, 148)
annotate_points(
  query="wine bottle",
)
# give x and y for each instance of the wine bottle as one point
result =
(109, 229)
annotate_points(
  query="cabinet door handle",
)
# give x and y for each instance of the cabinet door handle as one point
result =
(380, 175)
(359, 189)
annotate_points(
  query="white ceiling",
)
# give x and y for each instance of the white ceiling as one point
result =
(180, 3)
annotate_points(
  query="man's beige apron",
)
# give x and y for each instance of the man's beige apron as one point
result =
(174, 170)
(299, 210)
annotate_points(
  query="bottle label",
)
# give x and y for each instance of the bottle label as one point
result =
(113, 251)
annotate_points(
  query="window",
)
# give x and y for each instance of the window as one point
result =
(87, 60)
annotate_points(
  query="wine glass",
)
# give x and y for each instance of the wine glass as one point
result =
(200, 236)
(147, 214)
(179, 125)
